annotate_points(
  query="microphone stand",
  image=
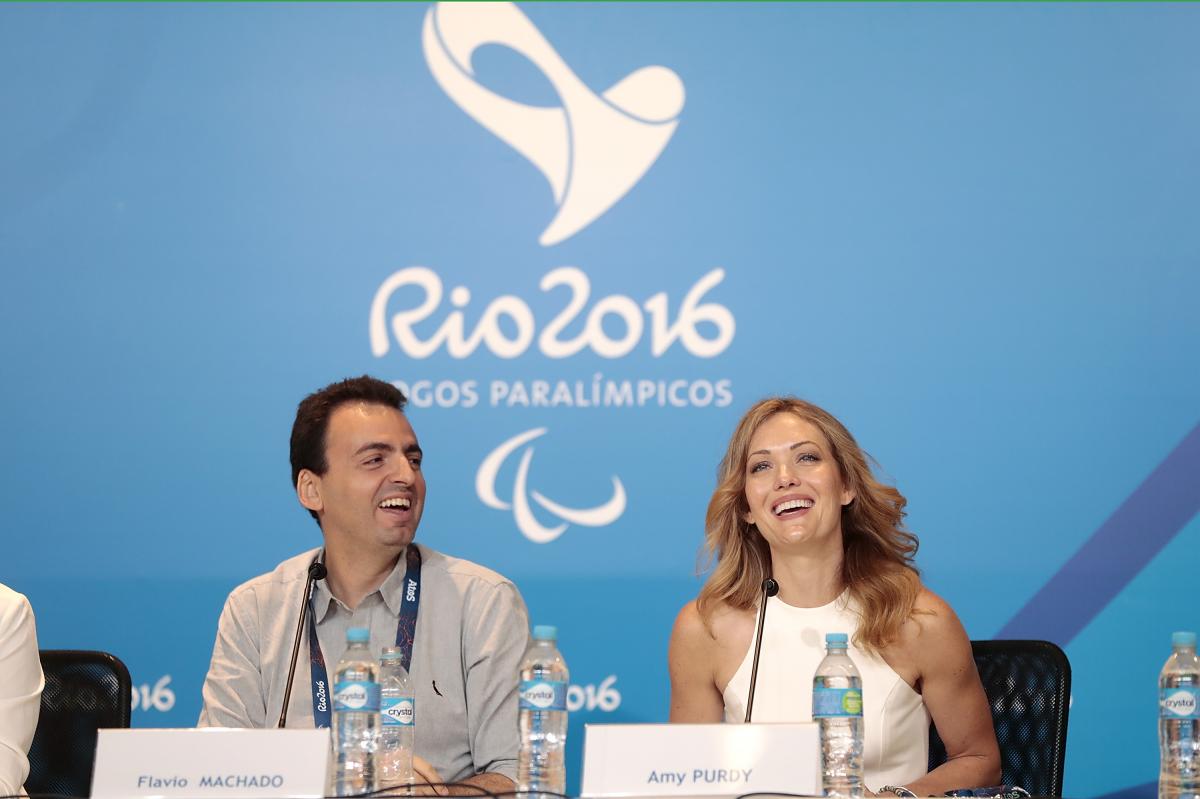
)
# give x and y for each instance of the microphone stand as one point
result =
(769, 589)
(316, 571)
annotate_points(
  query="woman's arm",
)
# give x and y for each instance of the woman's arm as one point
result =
(692, 663)
(951, 689)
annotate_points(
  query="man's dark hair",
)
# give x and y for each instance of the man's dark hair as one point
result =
(312, 418)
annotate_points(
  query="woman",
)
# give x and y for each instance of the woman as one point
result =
(796, 501)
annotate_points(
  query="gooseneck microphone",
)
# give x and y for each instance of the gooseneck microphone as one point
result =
(316, 571)
(769, 589)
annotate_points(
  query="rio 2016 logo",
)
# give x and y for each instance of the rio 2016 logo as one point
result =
(592, 150)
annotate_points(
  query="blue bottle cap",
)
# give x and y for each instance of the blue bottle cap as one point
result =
(545, 632)
(836, 639)
(391, 653)
(358, 635)
(1183, 639)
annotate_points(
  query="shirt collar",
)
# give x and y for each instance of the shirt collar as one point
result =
(391, 591)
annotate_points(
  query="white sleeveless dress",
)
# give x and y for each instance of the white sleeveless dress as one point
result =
(896, 723)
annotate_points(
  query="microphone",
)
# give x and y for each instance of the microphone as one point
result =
(769, 588)
(316, 571)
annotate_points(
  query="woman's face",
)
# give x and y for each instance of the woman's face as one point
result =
(793, 487)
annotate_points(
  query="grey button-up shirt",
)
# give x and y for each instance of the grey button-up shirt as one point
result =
(472, 629)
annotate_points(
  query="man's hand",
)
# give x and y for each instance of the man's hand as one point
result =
(426, 780)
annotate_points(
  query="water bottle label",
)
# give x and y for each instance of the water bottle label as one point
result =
(543, 695)
(836, 702)
(356, 696)
(1179, 703)
(398, 711)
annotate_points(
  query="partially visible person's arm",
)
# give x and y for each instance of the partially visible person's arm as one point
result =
(952, 692)
(233, 688)
(21, 684)
(691, 661)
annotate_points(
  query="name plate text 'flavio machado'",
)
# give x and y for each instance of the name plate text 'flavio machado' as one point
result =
(211, 764)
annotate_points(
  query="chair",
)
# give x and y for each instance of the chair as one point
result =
(1028, 686)
(84, 692)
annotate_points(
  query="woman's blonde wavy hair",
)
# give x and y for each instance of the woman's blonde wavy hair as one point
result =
(878, 565)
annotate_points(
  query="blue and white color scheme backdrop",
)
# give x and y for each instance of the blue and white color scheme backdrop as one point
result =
(585, 238)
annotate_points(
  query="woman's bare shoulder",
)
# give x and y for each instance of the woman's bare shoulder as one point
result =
(929, 633)
(690, 627)
(928, 600)
(723, 622)
(932, 625)
(697, 662)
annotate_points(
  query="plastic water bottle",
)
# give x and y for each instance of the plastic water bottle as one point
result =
(1178, 721)
(837, 709)
(543, 715)
(397, 715)
(355, 716)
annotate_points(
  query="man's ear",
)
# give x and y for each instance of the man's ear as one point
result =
(308, 490)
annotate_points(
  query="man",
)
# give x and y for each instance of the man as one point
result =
(356, 466)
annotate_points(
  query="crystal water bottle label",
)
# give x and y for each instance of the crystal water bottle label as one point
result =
(398, 712)
(356, 696)
(1179, 703)
(543, 695)
(836, 702)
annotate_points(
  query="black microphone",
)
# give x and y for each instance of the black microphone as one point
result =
(769, 588)
(316, 571)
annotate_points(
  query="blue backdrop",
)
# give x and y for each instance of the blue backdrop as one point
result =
(585, 238)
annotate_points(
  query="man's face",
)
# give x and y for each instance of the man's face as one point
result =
(372, 493)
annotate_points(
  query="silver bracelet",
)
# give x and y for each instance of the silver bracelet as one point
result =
(898, 790)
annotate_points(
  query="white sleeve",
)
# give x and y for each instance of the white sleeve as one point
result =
(21, 685)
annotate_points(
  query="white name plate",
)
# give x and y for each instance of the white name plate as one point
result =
(210, 764)
(621, 760)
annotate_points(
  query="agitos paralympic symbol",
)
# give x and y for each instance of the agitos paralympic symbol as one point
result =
(527, 523)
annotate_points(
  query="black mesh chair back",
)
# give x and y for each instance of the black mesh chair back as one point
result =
(1028, 686)
(85, 691)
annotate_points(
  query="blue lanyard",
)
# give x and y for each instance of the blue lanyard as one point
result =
(406, 630)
